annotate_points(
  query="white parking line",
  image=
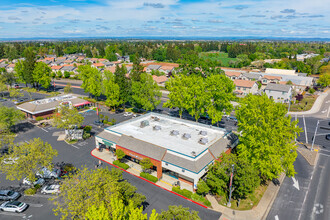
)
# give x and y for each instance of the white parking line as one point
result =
(74, 146)
(325, 150)
(328, 112)
(35, 205)
(44, 130)
(325, 154)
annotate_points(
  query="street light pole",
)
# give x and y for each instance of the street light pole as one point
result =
(231, 185)
(313, 141)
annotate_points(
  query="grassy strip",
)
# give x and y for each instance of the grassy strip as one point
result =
(120, 164)
(304, 105)
(149, 177)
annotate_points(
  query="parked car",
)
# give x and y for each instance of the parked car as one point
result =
(2, 100)
(231, 118)
(47, 174)
(98, 123)
(9, 195)
(126, 114)
(13, 206)
(327, 136)
(39, 181)
(16, 86)
(51, 189)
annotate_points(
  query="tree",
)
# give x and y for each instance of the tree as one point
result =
(8, 78)
(41, 75)
(145, 93)
(9, 116)
(178, 96)
(68, 88)
(15, 93)
(221, 90)
(245, 178)
(324, 80)
(111, 90)
(124, 83)
(28, 66)
(66, 74)
(146, 164)
(85, 192)
(29, 157)
(178, 213)
(202, 188)
(92, 80)
(120, 154)
(268, 135)
(68, 118)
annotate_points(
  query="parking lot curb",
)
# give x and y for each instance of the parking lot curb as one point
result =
(149, 181)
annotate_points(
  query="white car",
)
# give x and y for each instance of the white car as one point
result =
(51, 189)
(128, 114)
(10, 160)
(13, 206)
(39, 181)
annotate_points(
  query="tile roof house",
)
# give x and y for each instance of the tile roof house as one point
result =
(69, 68)
(279, 92)
(10, 68)
(233, 75)
(270, 79)
(152, 67)
(251, 76)
(56, 68)
(98, 65)
(244, 87)
(160, 79)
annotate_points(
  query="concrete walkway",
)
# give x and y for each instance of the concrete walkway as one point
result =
(317, 105)
(258, 212)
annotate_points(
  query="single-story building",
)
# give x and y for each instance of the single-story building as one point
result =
(233, 75)
(266, 79)
(46, 107)
(178, 148)
(279, 92)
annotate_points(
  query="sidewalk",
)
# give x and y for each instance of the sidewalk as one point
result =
(258, 212)
(317, 105)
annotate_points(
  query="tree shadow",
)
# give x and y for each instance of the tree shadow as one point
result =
(22, 127)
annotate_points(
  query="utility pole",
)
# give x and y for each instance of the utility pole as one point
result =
(318, 121)
(231, 185)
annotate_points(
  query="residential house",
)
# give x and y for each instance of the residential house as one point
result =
(244, 87)
(270, 71)
(55, 69)
(61, 58)
(251, 76)
(279, 92)
(52, 59)
(233, 75)
(160, 80)
(266, 79)
(3, 65)
(93, 60)
(152, 67)
(98, 65)
(10, 68)
(68, 68)
(166, 69)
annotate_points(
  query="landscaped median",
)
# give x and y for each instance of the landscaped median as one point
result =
(195, 198)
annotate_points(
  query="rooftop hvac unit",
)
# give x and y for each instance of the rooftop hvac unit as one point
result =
(193, 153)
(155, 118)
(144, 123)
(186, 136)
(157, 128)
(175, 133)
(203, 133)
(203, 141)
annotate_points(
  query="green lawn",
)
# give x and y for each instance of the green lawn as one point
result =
(223, 57)
(304, 105)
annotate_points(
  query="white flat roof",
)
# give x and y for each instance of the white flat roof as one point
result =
(163, 137)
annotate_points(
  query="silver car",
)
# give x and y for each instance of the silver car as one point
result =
(39, 181)
(13, 206)
(9, 195)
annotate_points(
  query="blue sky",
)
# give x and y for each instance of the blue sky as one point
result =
(173, 18)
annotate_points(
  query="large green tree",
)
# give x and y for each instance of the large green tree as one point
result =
(178, 213)
(324, 80)
(268, 135)
(111, 90)
(145, 93)
(27, 159)
(245, 177)
(84, 193)
(9, 116)
(123, 82)
(67, 117)
(92, 80)
(41, 75)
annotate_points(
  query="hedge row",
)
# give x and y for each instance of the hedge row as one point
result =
(149, 177)
(190, 195)
(120, 164)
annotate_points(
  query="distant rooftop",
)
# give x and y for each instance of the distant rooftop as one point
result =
(54, 99)
(176, 135)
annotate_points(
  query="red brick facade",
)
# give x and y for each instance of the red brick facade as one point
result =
(138, 156)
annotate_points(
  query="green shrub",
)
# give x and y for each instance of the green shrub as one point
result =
(30, 191)
(186, 193)
(129, 110)
(37, 186)
(88, 128)
(66, 74)
(39, 118)
(199, 198)
(86, 135)
(113, 121)
(149, 177)
(121, 165)
(106, 118)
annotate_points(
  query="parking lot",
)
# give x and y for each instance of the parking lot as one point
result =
(79, 155)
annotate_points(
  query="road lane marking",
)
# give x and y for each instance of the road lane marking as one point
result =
(12, 214)
(43, 129)
(74, 146)
(35, 205)
(325, 150)
(276, 217)
(328, 112)
(325, 154)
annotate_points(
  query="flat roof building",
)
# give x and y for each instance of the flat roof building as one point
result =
(176, 147)
(46, 107)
